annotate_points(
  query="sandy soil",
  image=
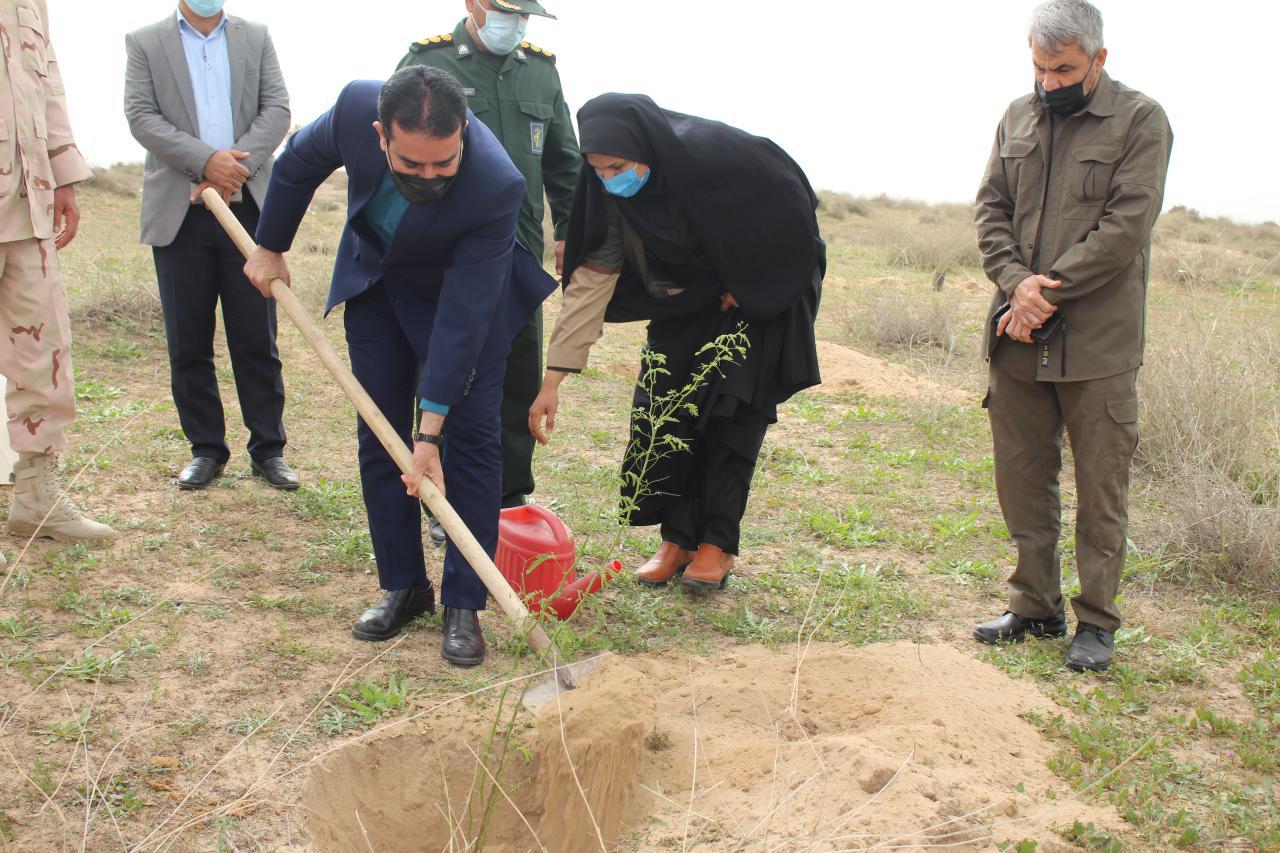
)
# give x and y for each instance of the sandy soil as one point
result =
(848, 371)
(894, 745)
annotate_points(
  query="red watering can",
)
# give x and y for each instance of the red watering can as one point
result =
(536, 553)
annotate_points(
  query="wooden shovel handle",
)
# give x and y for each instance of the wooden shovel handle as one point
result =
(427, 491)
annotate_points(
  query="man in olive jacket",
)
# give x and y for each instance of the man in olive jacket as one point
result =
(1064, 214)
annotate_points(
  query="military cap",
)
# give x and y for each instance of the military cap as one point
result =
(521, 7)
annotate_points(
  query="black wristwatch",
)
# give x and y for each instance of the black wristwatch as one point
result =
(437, 440)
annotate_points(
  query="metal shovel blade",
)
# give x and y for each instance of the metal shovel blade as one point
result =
(565, 677)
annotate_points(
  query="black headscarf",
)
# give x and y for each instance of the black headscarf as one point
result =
(716, 191)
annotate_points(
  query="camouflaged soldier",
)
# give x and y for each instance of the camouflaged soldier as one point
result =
(39, 167)
(513, 87)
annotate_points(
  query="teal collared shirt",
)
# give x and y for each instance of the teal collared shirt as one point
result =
(383, 214)
(385, 210)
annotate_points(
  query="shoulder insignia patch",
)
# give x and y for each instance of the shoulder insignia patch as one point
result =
(433, 41)
(538, 51)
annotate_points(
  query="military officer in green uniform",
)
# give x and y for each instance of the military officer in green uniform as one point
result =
(513, 87)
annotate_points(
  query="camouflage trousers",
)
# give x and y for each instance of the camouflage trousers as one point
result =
(35, 347)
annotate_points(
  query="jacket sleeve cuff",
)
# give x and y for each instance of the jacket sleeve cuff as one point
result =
(432, 407)
(68, 166)
(1012, 277)
(567, 359)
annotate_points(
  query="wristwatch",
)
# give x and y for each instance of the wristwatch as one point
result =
(437, 440)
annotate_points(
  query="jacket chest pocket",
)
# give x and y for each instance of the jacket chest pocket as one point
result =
(31, 41)
(538, 117)
(1094, 167)
(1022, 165)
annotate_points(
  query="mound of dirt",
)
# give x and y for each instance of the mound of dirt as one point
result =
(894, 745)
(847, 371)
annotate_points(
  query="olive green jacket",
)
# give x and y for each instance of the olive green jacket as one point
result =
(1081, 214)
(519, 98)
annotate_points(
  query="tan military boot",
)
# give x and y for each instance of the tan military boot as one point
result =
(40, 508)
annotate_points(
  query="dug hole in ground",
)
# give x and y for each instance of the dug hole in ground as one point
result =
(815, 747)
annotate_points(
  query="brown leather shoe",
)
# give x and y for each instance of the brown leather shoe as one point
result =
(709, 570)
(664, 565)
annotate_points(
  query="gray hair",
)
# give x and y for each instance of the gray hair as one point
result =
(1059, 23)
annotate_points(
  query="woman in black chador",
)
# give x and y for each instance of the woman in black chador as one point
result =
(702, 230)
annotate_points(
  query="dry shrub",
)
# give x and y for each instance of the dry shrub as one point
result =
(1211, 444)
(1222, 530)
(916, 320)
(910, 235)
(1201, 252)
(122, 179)
(840, 205)
(124, 293)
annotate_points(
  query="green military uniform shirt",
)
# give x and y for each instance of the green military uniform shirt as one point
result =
(519, 98)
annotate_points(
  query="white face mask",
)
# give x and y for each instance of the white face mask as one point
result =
(502, 31)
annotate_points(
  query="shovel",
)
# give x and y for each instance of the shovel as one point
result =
(564, 676)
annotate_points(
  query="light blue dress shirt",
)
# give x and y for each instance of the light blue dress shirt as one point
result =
(210, 70)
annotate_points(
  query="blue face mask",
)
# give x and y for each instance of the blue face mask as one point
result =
(206, 8)
(502, 31)
(626, 184)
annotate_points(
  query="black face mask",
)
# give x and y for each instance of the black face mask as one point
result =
(418, 190)
(1065, 100)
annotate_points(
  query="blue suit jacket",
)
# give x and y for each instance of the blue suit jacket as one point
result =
(460, 285)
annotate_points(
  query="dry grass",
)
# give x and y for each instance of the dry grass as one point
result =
(903, 234)
(1201, 252)
(919, 320)
(1211, 448)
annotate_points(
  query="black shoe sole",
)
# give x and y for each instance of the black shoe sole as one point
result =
(1042, 634)
(284, 487)
(467, 662)
(195, 487)
(378, 638)
(703, 587)
(1078, 666)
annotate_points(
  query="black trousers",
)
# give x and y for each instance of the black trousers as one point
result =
(521, 386)
(709, 511)
(696, 490)
(197, 270)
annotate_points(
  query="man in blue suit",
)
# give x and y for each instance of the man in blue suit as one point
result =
(435, 287)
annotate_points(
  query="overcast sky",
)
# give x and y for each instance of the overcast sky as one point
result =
(869, 97)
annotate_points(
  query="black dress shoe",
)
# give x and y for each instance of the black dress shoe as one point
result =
(1091, 649)
(435, 532)
(509, 501)
(1012, 628)
(200, 472)
(397, 608)
(277, 473)
(463, 643)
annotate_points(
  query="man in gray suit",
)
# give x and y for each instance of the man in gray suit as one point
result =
(204, 95)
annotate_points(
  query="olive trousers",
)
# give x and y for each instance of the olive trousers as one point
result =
(1027, 422)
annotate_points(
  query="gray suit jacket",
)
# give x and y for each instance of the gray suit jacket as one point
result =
(160, 105)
